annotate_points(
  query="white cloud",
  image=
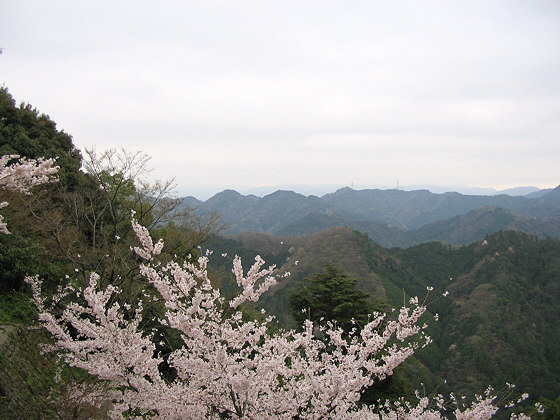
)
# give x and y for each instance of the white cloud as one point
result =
(251, 93)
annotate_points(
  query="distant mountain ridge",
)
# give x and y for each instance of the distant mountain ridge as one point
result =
(205, 192)
(391, 217)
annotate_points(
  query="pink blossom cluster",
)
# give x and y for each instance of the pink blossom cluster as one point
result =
(22, 175)
(148, 249)
(227, 367)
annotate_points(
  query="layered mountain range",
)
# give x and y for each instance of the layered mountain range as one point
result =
(390, 217)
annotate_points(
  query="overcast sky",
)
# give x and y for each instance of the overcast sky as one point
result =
(239, 94)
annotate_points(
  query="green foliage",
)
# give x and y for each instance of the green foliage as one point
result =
(62, 233)
(331, 296)
(499, 322)
(393, 388)
(503, 324)
(225, 249)
(25, 256)
(16, 308)
(178, 243)
(36, 385)
(551, 410)
(26, 132)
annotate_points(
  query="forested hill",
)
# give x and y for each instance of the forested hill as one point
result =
(390, 217)
(498, 324)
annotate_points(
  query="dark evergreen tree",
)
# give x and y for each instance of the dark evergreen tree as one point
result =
(332, 296)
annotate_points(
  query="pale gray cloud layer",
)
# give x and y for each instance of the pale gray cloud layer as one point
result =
(244, 93)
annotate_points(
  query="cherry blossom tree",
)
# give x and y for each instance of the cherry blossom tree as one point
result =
(22, 175)
(227, 367)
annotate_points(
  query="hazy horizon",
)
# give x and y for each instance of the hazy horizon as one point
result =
(203, 193)
(234, 94)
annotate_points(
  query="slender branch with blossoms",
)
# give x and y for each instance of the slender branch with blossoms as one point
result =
(227, 367)
(22, 175)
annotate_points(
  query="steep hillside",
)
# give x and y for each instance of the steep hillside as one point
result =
(551, 198)
(456, 230)
(475, 225)
(303, 256)
(498, 324)
(504, 316)
(268, 214)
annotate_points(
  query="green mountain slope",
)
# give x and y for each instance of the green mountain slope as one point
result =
(477, 224)
(499, 323)
(457, 230)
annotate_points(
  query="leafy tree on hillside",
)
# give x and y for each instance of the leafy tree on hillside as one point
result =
(19, 176)
(80, 224)
(332, 296)
(26, 132)
(82, 221)
(89, 225)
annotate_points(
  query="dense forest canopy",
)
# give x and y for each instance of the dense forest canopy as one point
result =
(26, 132)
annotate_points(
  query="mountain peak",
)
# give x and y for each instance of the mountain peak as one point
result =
(284, 193)
(225, 196)
(552, 198)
